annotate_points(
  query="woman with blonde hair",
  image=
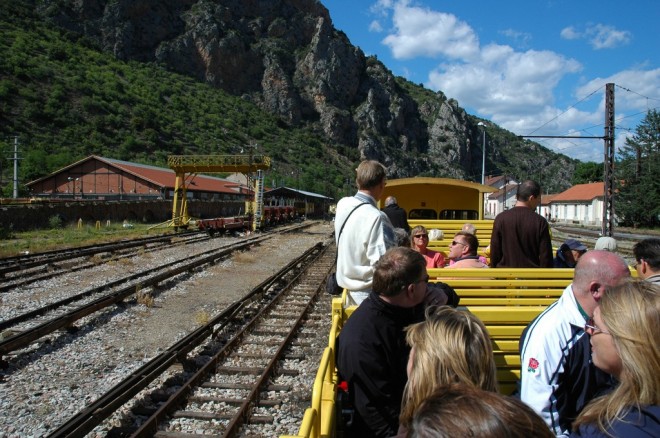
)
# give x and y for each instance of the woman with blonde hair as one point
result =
(419, 240)
(624, 340)
(450, 346)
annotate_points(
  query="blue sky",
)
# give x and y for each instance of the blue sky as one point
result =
(534, 67)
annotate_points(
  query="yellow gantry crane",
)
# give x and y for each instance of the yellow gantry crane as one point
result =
(186, 168)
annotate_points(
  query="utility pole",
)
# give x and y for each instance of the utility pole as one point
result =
(15, 159)
(607, 228)
(483, 153)
(608, 163)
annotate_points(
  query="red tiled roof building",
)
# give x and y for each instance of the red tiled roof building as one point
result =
(105, 178)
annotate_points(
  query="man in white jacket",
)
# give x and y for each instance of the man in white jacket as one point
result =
(366, 234)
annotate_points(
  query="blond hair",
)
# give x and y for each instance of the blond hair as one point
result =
(415, 231)
(631, 312)
(450, 346)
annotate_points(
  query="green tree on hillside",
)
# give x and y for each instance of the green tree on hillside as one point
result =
(587, 172)
(637, 170)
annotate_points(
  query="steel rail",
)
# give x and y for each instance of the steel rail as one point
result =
(150, 426)
(90, 417)
(23, 262)
(8, 323)
(242, 414)
(24, 280)
(24, 338)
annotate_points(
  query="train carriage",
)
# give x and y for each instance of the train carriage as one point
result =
(428, 198)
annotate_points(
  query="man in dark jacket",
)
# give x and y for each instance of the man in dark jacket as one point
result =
(372, 353)
(521, 237)
(396, 214)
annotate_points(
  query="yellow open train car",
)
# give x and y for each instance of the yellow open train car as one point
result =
(438, 198)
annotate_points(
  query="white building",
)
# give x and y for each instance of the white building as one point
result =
(545, 209)
(581, 204)
(504, 198)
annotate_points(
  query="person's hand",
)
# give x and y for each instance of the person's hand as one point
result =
(435, 295)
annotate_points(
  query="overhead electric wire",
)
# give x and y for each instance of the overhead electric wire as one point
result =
(635, 92)
(564, 112)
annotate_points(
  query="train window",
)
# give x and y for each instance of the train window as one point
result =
(459, 214)
(422, 213)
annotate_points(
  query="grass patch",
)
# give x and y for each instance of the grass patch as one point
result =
(202, 317)
(143, 297)
(71, 237)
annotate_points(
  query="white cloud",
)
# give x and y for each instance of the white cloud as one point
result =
(517, 88)
(635, 91)
(423, 32)
(375, 26)
(382, 7)
(569, 33)
(600, 36)
(522, 38)
(504, 82)
(607, 37)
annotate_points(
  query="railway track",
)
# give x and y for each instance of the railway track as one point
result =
(27, 269)
(587, 236)
(220, 377)
(22, 330)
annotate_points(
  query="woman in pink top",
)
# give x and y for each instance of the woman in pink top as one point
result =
(419, 239)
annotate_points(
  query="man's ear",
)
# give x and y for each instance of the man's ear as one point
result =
(596, 290)
(410, 290)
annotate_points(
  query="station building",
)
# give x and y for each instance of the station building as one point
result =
(100, 189)
(101, 178)
(581, 204)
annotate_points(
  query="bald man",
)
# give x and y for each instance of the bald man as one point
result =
(396, 214)
(558, 378)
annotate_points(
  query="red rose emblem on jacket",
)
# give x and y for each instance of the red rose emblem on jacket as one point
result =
(533, 365)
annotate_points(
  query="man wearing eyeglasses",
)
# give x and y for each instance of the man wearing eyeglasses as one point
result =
(463, 252)
(557, 377)
(372, 353)
(647, 256)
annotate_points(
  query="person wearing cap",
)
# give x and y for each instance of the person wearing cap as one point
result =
(606, 243)
(568, 253)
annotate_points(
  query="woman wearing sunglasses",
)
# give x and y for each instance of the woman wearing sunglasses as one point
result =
(419, 240)
(625, 342)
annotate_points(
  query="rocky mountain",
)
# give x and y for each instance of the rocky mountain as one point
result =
(286, 57)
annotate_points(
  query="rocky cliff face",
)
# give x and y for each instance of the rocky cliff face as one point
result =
(286, 56)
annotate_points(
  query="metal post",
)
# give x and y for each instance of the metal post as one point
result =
(483, 153)
(15, 167)
(608, 163)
